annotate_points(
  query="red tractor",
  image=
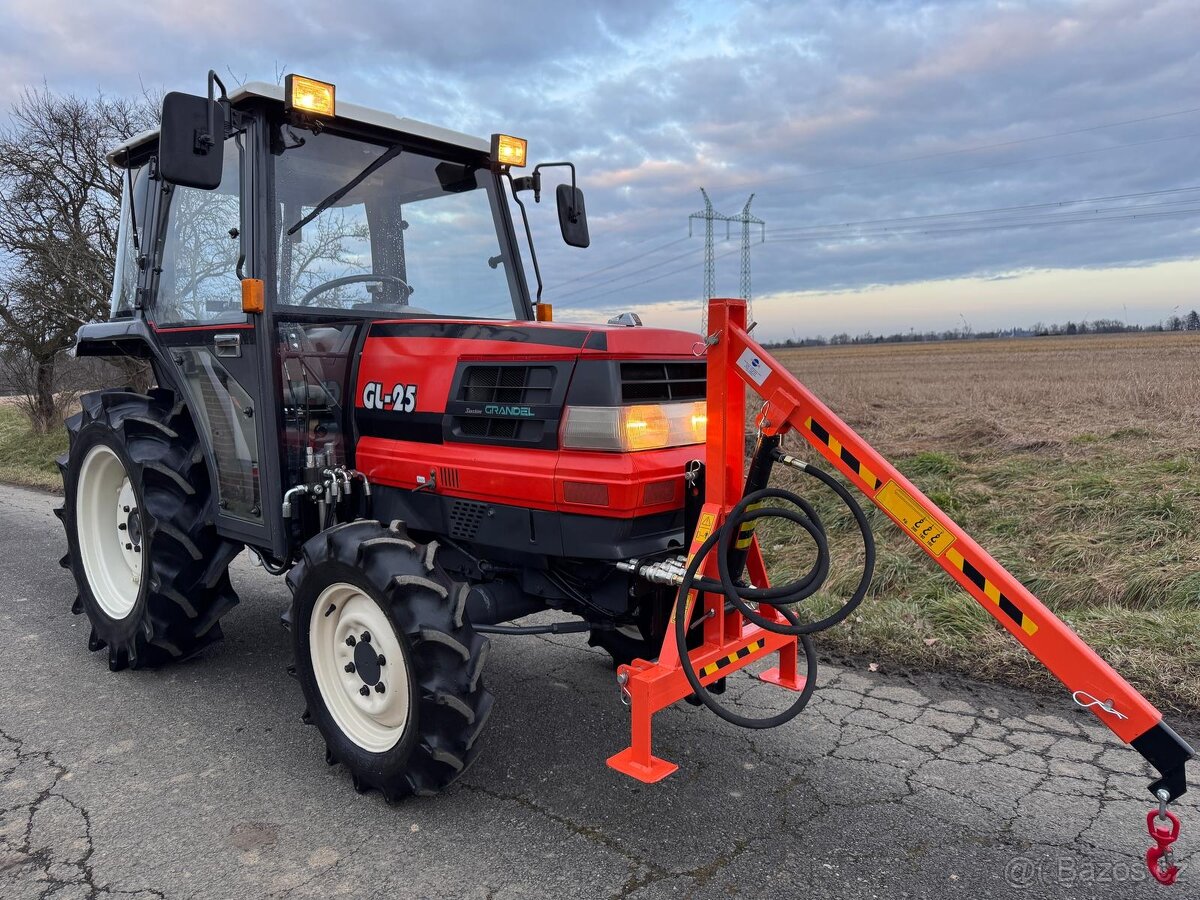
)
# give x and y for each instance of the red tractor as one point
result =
(354, 384)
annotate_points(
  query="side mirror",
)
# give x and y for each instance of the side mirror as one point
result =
(572, 216)
(191, 141)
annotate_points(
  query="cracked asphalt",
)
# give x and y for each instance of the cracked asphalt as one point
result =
(199, 781)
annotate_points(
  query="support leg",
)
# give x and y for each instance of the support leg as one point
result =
(787, 673)
(637, 760)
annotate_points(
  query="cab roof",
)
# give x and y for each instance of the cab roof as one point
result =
(346, 111)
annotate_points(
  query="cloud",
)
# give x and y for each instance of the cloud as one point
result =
(831, 112)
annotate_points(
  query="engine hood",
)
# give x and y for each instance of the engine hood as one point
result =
(544, 338)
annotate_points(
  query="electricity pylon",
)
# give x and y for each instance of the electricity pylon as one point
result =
(709, 215)
(747, 220)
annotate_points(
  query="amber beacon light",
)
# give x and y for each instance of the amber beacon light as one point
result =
(307, 95)
(508, 150)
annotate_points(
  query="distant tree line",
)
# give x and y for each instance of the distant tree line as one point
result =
(1190, 322)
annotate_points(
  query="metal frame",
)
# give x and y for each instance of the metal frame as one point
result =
(736, 361)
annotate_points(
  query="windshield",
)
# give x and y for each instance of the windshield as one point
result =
(378, 228)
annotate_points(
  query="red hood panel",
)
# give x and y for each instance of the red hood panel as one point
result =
(546, 338)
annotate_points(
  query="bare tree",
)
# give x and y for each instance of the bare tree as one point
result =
(59, 213)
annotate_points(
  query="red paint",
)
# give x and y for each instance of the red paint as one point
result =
(1163, 839)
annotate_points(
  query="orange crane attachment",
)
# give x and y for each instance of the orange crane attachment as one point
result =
(736, 361)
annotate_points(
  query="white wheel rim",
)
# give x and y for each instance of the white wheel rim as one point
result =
(377, 719)
(108, 523)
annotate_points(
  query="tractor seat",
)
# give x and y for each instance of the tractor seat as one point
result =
(330, 340)
(314, 396)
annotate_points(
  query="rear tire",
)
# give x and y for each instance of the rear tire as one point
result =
(152, 572)
(409, 724)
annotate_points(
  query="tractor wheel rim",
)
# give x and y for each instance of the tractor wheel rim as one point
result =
(360, 667)
(105, 507)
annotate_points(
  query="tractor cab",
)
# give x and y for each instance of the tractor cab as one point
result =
(256, 261)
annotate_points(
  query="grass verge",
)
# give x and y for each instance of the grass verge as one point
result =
(26, 457)
(1106, 539)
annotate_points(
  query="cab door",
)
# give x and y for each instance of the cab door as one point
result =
(215, 350)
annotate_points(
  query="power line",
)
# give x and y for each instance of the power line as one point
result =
(626, 287)
(996, 165)
(653, 250)
(1059, 220)
(903, 226)
(994, 209)
(980, 147)
(932, 232)
(587, 288)
(654, 265)
(797, 238)
(623, 262)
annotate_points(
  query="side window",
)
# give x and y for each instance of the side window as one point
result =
(124, 295)
(199, 250)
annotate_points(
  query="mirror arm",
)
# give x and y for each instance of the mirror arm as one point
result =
(573, 213)
(537, 271)
(210, 139)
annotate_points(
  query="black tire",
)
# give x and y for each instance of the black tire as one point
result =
(184, 584)
(444, 656)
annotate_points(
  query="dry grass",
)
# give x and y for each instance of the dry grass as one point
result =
(27, 457)
(1072, 460)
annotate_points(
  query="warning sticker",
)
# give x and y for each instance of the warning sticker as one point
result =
(920, 524)
(704, 527)
(749, 363)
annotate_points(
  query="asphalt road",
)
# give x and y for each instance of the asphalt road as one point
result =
(201, 781)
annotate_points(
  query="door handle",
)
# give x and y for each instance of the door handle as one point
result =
(228, 345)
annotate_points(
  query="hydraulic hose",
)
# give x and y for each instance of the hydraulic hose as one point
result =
(750, 509)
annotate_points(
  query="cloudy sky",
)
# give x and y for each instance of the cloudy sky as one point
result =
(918, 164)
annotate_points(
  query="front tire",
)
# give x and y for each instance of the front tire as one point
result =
(152, 571)
(389, 665)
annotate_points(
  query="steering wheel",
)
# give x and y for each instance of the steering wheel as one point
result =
(357, 279)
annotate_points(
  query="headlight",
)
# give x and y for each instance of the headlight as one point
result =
(645, 426)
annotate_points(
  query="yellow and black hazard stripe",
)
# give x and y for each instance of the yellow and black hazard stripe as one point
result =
(992, 592)
(745, 533)
(842, 453)
(726, 661)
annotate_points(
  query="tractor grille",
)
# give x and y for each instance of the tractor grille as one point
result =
(526, 385)
(465, 517)
(524, 430)
(504, 402)
(662, 381)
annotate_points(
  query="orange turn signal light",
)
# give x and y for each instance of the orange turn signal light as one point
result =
(545, 312)
(645, 426)
(254, 292)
